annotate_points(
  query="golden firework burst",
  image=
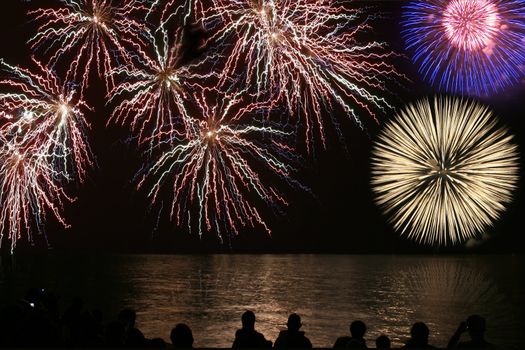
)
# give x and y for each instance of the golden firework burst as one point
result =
(443, 170)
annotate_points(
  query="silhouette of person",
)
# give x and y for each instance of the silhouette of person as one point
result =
(72, 322)
(133, 336)
(115, 334)
(357, 332)
(382, 342)
(475, 325)
(181, 336)
(247, 336)
(155, 343)
(419, 337)
(293, 338)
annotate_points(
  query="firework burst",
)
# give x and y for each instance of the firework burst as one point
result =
(444, 170)
(43, 146)
(52, 114)
(158, 88)
(472, 47)
(306, 54)
(88, 33)
(213, 170)
(28, 189)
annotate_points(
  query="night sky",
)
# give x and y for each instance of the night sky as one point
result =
(110, 215)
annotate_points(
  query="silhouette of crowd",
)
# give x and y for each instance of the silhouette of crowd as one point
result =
(35, 321)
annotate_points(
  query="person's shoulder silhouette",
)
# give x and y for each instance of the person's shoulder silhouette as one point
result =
(293, 337)
(134, 337)
(247, 336)
(418, 337)
(356, 340)
(342, 342)
(115, 334)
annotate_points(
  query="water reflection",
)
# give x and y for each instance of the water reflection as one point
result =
(442, 292)
(209, 293)
(389, 293)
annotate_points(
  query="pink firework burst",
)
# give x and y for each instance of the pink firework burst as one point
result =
(471, 24)
(28, 189)
(51, 113)
(308, 54)
(214, 170)
(86, 34)
(42, 146)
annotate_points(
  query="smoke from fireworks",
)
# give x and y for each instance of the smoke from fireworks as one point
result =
(213, 170)
(473, 47)
(86, 34)
(443, 170)
(306, 54)
(43, 146)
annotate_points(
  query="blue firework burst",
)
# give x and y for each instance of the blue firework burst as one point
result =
(471, 47)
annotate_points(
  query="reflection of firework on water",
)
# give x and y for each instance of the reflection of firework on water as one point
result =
(90, 33)
(469, 287)
(416, 289)
(444, 170)
(474, 47)
(452, 280)
(158, 88)
(306, 54)
(51, 114)
(213, 169)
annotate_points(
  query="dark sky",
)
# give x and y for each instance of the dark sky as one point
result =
(111, 216)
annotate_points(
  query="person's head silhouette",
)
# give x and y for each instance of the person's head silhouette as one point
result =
(181, 336)
(476, 326)
(294, 322)
(357, 329)
(248, 320)
(419, 333)
(128, 317)
(382, 342)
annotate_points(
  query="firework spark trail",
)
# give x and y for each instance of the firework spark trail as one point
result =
(443, 170)
(28, 189)
(213, 170)
(182, 10)
(306, 54)
(472, 47)
(158, 87)
(53, 116)
(42, 147)
(88, 33)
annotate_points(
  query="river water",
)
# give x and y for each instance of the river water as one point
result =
(210, 292)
